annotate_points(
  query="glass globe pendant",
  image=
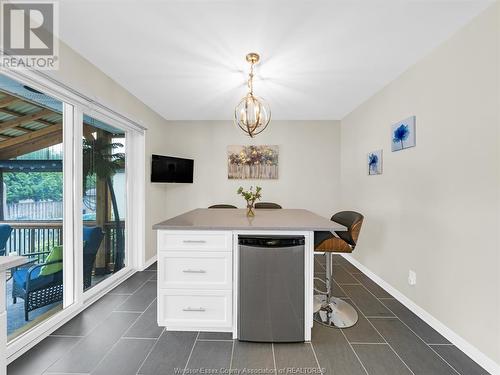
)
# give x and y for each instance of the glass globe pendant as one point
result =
(252, 114)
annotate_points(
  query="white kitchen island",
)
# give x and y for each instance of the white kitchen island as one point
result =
(198, 264)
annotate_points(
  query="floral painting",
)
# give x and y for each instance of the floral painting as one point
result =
(375, 162)
(403, 134)
(252, 162)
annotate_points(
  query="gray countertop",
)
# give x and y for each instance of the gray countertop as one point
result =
(236, 219)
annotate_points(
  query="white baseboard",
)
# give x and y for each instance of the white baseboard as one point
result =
(149, 262)
(470, 350)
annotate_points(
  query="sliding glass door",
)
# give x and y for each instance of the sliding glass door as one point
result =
(31, 202)
(104, 200)
(66, 202)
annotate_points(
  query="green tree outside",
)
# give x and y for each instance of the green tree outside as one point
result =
(38, 186)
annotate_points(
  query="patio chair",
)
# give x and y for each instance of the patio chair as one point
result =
(5, 231)
(92, 238)
(38, 289)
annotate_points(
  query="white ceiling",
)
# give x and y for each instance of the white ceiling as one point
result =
(320, 59)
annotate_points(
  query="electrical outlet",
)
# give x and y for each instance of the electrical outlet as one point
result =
(412, 277)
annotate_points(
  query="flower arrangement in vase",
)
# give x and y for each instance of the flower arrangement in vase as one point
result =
(250, 196)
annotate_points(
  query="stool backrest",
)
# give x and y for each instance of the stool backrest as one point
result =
(353, 221)
(222, 206)
(267, 205)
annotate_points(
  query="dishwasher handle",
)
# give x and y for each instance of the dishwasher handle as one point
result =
(271, 241)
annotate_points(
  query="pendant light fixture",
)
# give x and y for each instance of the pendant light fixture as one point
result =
(252, 114)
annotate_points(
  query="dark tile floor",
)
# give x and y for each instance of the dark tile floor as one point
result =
(118, 335)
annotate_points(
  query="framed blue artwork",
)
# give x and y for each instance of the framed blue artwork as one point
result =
(403, 134)
(375, 162)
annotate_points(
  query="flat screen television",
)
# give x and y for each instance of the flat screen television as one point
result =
(170, 169)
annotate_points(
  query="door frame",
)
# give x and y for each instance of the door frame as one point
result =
(75, 300)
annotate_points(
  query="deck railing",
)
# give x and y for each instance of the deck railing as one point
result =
(35, 239)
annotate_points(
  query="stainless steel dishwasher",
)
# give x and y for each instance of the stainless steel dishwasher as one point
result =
(271, 289)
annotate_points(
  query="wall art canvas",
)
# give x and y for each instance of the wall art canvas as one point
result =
(403, 134)
(252, 162)
(375, 162)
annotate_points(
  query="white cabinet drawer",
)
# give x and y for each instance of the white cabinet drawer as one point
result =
(190, 240)
(195, 269)
(194, 308)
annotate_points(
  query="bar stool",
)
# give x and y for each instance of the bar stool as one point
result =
(328, 310)
(267, 205)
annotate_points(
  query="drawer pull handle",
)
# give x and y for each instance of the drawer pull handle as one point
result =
(199, 309)
(194, 271)
(194, 241)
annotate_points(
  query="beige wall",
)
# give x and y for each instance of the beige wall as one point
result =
(84, 77)
(435, 208)
(309, 152)
(309, 164)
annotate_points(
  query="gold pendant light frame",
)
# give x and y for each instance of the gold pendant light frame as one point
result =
(252, 114)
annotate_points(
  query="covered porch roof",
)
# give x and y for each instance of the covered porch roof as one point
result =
(31, 121)
(26, 127)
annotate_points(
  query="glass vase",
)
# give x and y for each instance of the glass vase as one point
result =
(250, 210)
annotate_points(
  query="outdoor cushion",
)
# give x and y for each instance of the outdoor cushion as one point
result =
(92, 237)
(37, 281)
(55, 254)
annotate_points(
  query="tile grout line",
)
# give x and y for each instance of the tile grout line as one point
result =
(130, 295)
(406, 325)
(117, 341)
(354, 351)
(231, 361)
(378, 332)
(361, 283)
(315, 356)
(91, 330)
(350, 345)
(274, 359)
(190, 353)
(142, 313)
(445, 361)
(69, 336)
(58, 358)
(151, 350)
(81, 337)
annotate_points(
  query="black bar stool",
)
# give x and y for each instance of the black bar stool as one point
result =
(329, 310)
(267, 205)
